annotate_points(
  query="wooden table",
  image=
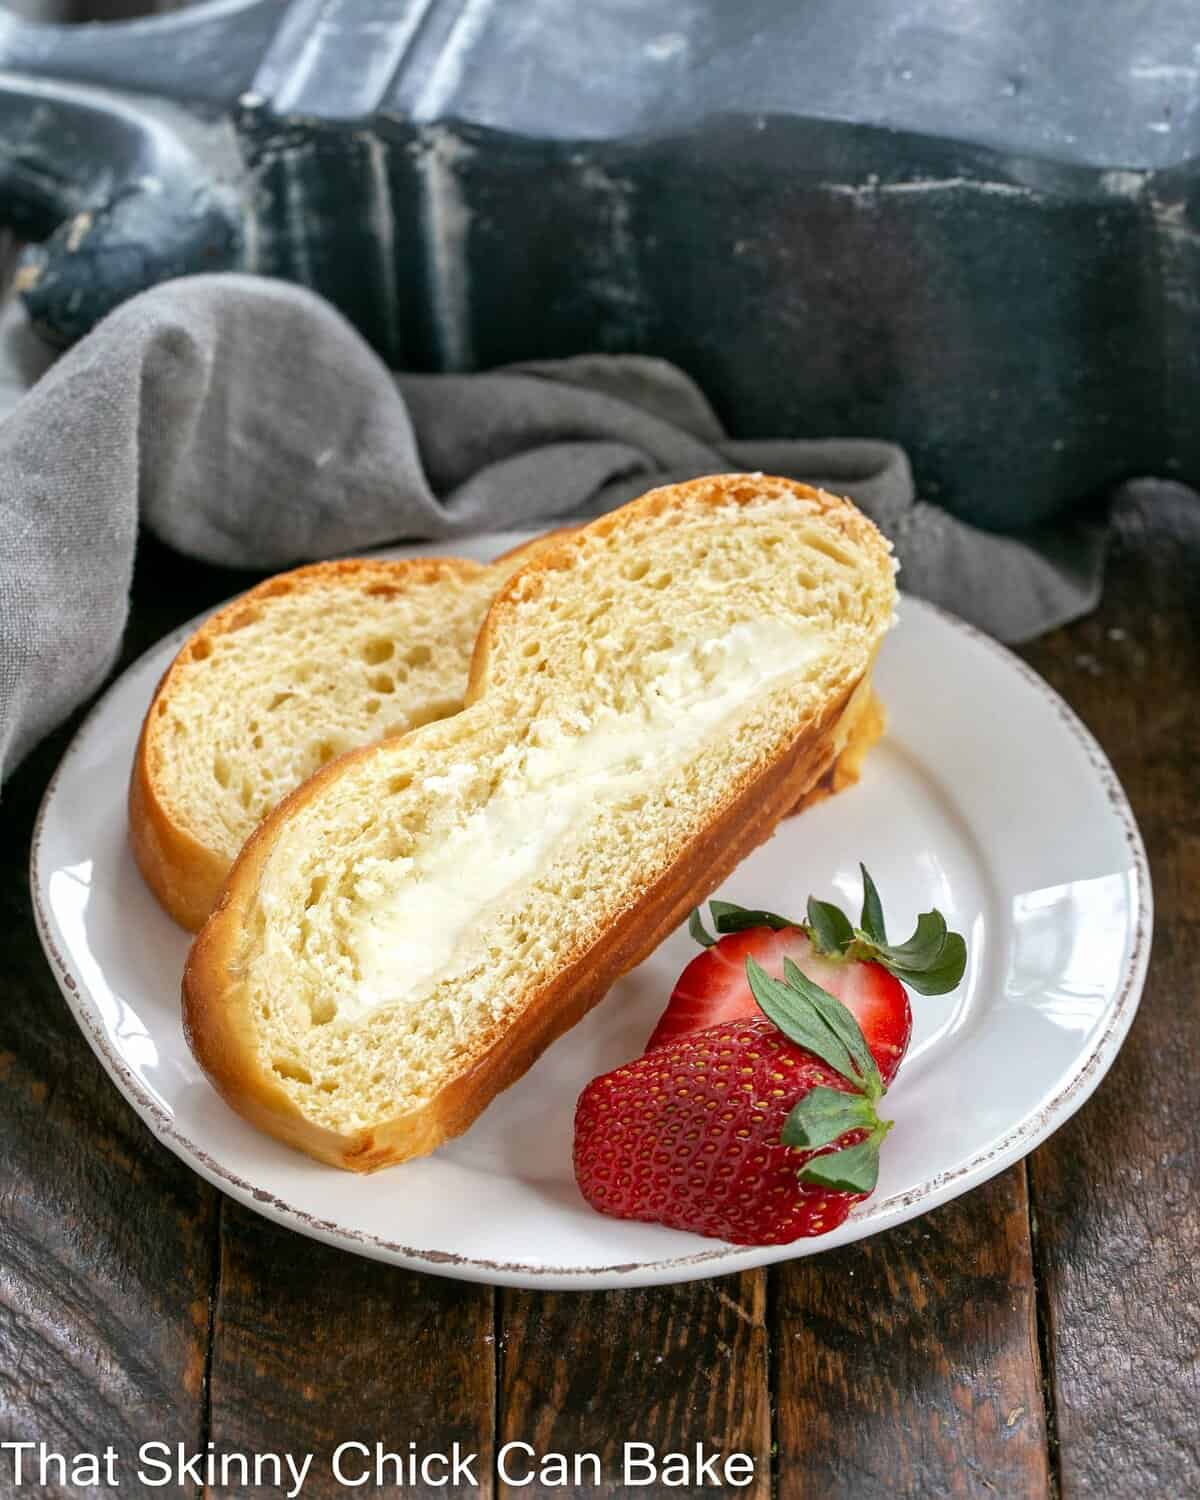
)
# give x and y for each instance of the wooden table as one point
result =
(1037, 1337)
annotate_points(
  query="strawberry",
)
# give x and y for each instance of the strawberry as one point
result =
(713, 988)
(691, 1135)
(857, 965)
(757, 1131)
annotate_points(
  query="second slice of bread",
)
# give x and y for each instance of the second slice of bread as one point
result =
(279, 682)
(649, 695)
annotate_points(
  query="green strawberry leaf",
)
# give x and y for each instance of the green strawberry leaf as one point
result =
(841, 1022)
(800, 1022)
(871, 922)
(922, 950)
(823, 1115)
(944, 974)
(931, 962)
(854, 1169)
(829, 928)
(816, 1020)
(697, 929)
(729, 917)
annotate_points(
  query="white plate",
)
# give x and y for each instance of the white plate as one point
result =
(987, 799)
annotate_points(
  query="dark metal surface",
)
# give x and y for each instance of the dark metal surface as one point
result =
(122, 197)
(968, 228)
(204, 55)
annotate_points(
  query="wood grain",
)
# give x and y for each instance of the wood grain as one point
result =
(106, 1240)
(669, 1366)
(1117, 1192)
(908, 1365)
(313, 1348)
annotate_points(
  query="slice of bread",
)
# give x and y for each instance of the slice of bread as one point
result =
(649, 695)
(305, 666)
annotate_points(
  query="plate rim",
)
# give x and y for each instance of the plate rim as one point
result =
(722, 1258)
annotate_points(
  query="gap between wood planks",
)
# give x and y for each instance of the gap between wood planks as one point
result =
(214, 1293)
(1045, 1336)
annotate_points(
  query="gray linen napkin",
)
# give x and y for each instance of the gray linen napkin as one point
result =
(245, 422)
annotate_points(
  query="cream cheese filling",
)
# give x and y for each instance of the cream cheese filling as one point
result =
(416, 928)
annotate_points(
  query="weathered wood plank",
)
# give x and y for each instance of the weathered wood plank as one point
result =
(908, 1365)
(314, 1348)
(106, 1240)
(1117, 1192)
(668, 1366)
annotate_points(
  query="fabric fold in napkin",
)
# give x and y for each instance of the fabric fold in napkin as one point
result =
(245, 422)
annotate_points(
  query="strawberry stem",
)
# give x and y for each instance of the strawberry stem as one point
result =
(932, 961)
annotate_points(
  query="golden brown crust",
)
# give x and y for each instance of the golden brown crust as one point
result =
(866, 727)
(184, 873)
(216, 1017)
(217, 1014)
(715, 491)
(523, 551)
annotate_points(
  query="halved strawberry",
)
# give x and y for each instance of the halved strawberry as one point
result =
(713, 988)
(757, 1131)
(857, 965)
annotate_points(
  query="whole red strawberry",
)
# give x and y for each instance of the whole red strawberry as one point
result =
(856, 964)
(690, 1136)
